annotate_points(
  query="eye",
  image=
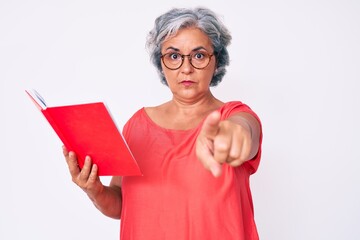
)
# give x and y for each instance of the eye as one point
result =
(199, 56)
(174, 56)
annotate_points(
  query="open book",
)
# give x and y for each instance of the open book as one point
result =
(89, 130)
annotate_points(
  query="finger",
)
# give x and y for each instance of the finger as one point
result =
(66, 154)
(235, 151)
(222, 146)
(71, 160)
(240, 151)
(85, 171)
(65, 151)
(236, 162)
(93, 174)
(213, 166)
(246, 150)
(211, 125)
(206, 157)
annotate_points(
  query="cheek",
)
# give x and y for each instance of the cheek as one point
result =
(210, 73)
(209, 77)
(169, 75)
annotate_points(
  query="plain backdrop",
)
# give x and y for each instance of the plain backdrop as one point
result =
(296, 63)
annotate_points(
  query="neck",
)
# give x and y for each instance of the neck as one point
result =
(208, 102)
(183, 115)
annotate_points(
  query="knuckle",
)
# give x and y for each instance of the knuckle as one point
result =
(92, 178)
(221, 144)
(236, 163)
(234, 153)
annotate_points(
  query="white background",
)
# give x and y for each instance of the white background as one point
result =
(296, 63)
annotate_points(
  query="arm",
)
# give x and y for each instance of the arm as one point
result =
(105, 198)
(232, 141)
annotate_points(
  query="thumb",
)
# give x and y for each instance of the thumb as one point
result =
(211, 125)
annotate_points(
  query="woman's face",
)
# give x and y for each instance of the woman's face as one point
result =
(188, 83)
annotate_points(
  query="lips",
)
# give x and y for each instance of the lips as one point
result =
(187, 83)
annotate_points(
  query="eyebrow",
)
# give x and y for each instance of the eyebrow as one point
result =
(178, 50)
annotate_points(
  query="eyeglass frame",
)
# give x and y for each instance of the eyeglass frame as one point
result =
(189, 56)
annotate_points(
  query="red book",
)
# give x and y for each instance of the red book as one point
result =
(89, 130)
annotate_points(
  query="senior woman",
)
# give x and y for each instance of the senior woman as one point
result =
(196, 152)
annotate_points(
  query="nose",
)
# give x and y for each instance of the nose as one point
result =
(186, 66)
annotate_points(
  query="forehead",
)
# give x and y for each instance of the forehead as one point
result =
(188, 39)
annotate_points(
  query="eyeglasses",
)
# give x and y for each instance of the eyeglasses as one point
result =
(198, 60)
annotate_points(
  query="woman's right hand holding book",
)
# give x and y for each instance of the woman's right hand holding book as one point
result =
(106, 198)
(86, 178)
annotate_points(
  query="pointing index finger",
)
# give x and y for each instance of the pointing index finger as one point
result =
(210, 127)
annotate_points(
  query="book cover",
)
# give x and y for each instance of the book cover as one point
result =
(89, 130)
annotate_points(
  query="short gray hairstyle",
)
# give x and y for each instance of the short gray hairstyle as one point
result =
(169, 23)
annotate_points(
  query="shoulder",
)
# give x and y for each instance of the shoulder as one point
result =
(137, 114)
(234, 107)
(136, 117)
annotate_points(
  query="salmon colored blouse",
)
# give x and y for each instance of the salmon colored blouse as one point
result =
(177, 198)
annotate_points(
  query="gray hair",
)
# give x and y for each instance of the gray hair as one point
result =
(169, 23)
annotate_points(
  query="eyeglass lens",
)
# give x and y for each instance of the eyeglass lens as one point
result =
(175, 60)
